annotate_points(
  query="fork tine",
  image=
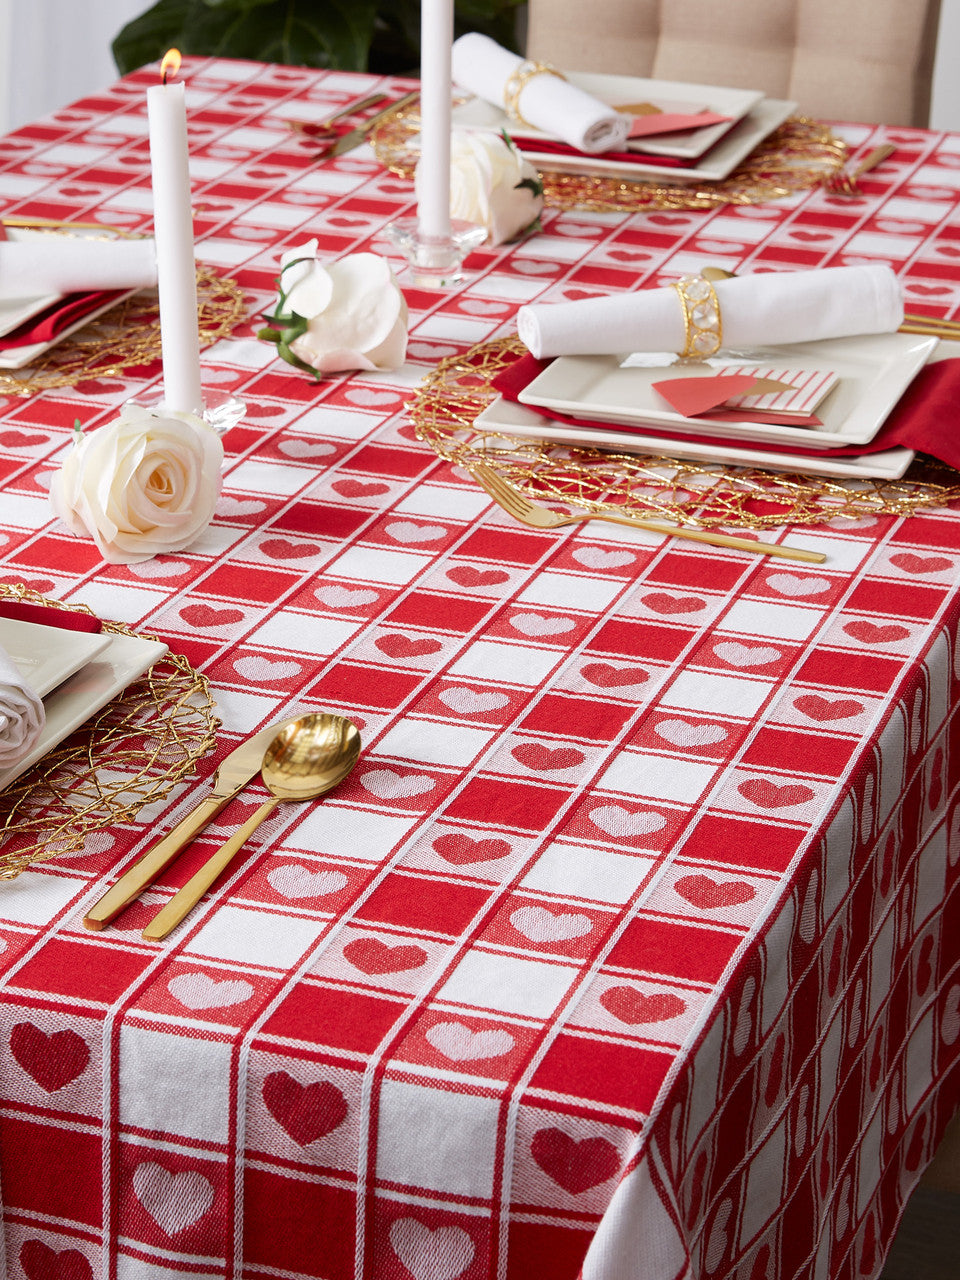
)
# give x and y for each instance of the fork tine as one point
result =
(503, 493)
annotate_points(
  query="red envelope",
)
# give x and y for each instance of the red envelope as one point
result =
(703, 397)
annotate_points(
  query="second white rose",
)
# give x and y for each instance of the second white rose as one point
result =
(492, 185)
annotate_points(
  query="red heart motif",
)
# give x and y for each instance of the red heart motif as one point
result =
(575, 1166)
(633, 1007)
(202, 615)
(20, 440)
(768, 795)
(660, 602)
(536, 756)
(370, 955)
(305, 1111)
(461, 849)
(709, 894)
(665, 220)
(575, 295)
(948, 250)
(924, 969)
(396, 646)
(40, 1262)
(266, 410)
(911, 563)
(621, 255)
(931, 290)
(464, 575)
(870, 633)
(812, 236)
(819, 708)
(409, 431)
(51, 1060)
(606, 677)
(359, 488)
(281, 549)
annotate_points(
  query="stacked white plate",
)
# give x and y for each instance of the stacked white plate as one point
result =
(873, 371)
(709, 154)
(75, 672)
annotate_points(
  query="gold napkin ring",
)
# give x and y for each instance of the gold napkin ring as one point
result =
(517, 82)
(702, 324)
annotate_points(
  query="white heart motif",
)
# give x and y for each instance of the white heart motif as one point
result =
(429, 351)
(477, 307)
(469, 702)
(158, 568)
(259, 669)
(441, 1254)
(306, 448)
(337, 597)
(597, 558)
(227, 506)
(682, 734)
(950, 1023)
(528, 267)
(463, 1044)
(617, 821)
(741, 655)
(295, 881)
(789, 584)
(404, 531)
(200, 991)
(369, 397)
(534, 624)
(744, 1024)
(540, 925)
(174, 1201)
(395, 786)
(3, 946)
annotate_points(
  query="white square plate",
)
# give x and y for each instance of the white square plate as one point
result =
(732, 145)
(513, 419)
(46, 656)
(120, 663)
(617, 91)
(874, 372)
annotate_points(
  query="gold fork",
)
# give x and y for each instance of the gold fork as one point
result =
(844, 182)
(527, 512)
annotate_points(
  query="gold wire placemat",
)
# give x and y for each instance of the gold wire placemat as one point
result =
(797, 155)
(129, 754)
(126, 338)
(704, 494)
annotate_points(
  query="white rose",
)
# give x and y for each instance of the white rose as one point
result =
(145, 483)
(354, 309)
(492, 185)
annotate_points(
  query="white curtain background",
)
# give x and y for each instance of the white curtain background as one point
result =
(54, 51)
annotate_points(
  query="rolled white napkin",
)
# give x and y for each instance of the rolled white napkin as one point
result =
(21, 714)
(546, 101)
(31, 268)
(769, 309)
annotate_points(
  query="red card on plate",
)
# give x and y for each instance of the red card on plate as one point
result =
(673, 122)
(784, 397)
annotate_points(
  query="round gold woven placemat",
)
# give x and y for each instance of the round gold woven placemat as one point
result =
(126, 338)
(701, 494)
(797, 155)
(132, 752)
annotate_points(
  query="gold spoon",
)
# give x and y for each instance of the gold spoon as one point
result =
(307, 758)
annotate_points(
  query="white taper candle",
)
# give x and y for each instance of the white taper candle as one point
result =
(173, 231)
(436, 40)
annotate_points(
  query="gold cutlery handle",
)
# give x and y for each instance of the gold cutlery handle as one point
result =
(719, 539)
(152, 863)
(187, 898)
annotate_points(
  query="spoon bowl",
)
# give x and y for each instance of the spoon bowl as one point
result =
(306, 759)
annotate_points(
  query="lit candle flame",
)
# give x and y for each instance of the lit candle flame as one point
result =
(170, 64)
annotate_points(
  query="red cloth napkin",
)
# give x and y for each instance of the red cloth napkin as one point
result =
(66, 619)
(58, 316)
(924, 419)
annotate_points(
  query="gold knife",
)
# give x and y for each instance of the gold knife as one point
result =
(230, 778)
(347, 141)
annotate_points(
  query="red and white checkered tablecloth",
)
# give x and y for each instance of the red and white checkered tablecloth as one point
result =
(631, 949)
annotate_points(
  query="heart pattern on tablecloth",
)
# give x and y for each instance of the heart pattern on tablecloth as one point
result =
(284, 549)
(746, 655)
(796, 586)
(772, 795)
(543, 759)
(204, 615)
(681, 733)
(606, 676)
(158, 567)
(536, 624)
(305, 1111)
(634, 1007)
(408, 533)
(51, 1059)
(337, 597)
(911, 563)
(598, 558)
(306, 449)
(540, 924)
(574, 1165)
(295, 882)
(258, 669)
(350, 488)
(440, 1253)
(708, 894)
(200, 991)
(40, 1262)
(660, 602)
(874, 633)
(371, 956)
(822, 709)
(175, 1201)
(461, 1043)
(614, 820)
(465, 575)
(460, 850)
(400, 647)
(472, 701)
(386, 784)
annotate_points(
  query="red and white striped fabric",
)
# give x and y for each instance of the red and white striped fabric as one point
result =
(632, 946)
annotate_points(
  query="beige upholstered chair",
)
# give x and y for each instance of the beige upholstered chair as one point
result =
(867, 60)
